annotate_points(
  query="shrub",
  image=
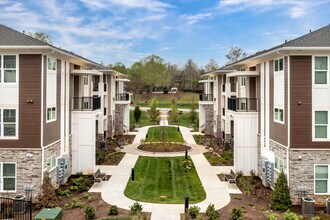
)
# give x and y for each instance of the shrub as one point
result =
(280, 198)
(88, 197)
(211, 213)
(47, 196)
(137, 114)
(272, 215)
(136, 208)
(174, 111)
(153, 109)
(77, 181)
(236, 214)
(76, 203)
(90, 212)
(113, 210)
(65, 192)
(291, 216)
(101, 155)
(193, 211)
(73, 188)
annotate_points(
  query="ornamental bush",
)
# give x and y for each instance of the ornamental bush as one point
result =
(280, 199)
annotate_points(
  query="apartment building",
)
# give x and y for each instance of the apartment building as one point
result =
(274, 108)
(54, 105)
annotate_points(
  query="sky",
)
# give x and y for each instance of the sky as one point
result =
(126, 31)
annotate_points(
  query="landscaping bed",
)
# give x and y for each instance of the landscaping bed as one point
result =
(162, 133)
(223, 159)
(165, 180)
(163, 147)
(108, 157)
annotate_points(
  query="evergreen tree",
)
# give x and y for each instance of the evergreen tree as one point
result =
(174, 111)
(280, 198)
(137, 114)
(47, 196)
(153, 109)
(192, 112)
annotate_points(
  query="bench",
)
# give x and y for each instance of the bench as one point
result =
(231, 178)
(98, 176)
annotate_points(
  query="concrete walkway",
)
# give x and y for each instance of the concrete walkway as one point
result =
(112, 191)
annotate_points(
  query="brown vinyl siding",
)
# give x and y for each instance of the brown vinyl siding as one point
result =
(52, 129)
(29, 113)
(301, 114)
(278, 132)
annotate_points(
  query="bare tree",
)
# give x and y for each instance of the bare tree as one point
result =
(211, 66)
(235, 54)
(44, 37)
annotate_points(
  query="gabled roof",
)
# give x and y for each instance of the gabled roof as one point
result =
(10, 37)
(316, 39)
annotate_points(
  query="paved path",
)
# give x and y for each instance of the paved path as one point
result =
(112, 191)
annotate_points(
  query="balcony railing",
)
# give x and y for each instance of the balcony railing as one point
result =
(95, 87)
(122, 97)
(86, 103)
(243, 104)
(206, 97)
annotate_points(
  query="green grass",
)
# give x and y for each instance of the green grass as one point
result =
(182, 120)
(165, 180)
(144, 120)
(170, 134)
(184, 100)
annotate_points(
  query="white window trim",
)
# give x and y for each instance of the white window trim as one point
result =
(53, 119)
(313, 126)
(314, 179)
(243, 81)
(2, 137)
(1, 177)
(48, 70)
(313, 71)
(279, 159)
(275, 105)
(2, 71)
(55, 164)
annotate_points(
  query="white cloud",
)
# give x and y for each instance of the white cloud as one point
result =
(192, 19)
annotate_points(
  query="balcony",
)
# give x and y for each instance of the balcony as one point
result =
(95, 87)
(122, 97)
(243, 104)
(86, 103)
(206, 97)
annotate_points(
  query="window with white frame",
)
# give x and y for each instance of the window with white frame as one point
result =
(321, 125)
(321, 69)
(321, 178)
(278, 164)
(8, 65)
(7, 176)
(8, 123)
(51, 163)
(51, 89)
(86, 80)
(279, 90)
(51, 114)
(243, 81)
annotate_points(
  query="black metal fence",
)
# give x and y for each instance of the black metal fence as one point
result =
(243, 104)
(206, 97)
(86, 103)
(16, 209)
(122, 97)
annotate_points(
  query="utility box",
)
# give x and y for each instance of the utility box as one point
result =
(19, 203)
(307, 206)
(327, 201)
(49, 214)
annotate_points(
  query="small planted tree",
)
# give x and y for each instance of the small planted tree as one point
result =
(47, 196)
(137, 114)
(280, 199)
(153, 109)
(192, 112)
(174, 111)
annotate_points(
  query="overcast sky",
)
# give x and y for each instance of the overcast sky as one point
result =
(129, 30)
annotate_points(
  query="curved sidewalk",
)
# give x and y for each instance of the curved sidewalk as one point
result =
(112, 191)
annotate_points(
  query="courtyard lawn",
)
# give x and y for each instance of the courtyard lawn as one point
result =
(165, 180)
(144, 120)
(169, 134)
(182, 120)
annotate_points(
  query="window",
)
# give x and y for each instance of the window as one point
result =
(51, 163)
(321, 176)
(278, 117)
(243, 81)
(8, 68)
(7, 176)
(279, 90)
(321, 70)
(51, 114)
(278, 164)
(52, 62)
(85, 80)
(8, 122)
(321, 124)
(279, 65)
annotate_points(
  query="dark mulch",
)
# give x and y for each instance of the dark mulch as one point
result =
(163, 147)
(113, 158)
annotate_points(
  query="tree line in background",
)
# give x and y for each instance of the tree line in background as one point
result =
(152, 72)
